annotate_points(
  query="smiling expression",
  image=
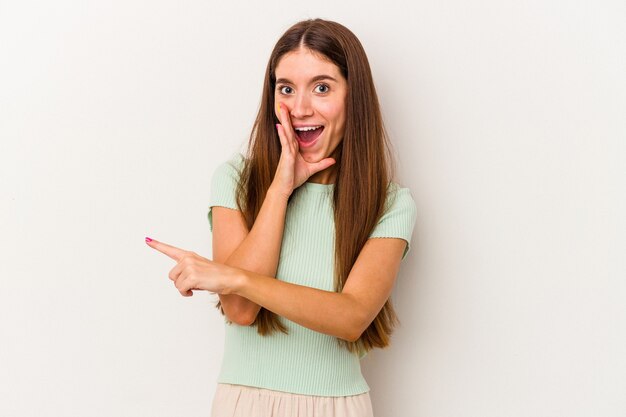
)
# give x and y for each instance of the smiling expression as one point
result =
(315, 92)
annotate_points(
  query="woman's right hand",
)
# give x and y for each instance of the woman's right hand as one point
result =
(292, 170)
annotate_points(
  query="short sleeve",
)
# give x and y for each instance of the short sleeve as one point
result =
(399, 218)
(224, 185)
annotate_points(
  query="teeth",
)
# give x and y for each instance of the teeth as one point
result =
(304, 129)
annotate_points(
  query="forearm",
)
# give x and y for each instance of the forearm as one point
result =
(258, 252)
(336, 314)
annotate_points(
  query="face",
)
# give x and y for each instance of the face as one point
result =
(314, 91)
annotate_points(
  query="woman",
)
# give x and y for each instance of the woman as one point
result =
(308, 235)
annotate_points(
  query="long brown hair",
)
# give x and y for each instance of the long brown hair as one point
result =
(363, 153)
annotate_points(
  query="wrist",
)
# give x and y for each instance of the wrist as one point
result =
(237, 282)
(275, 192)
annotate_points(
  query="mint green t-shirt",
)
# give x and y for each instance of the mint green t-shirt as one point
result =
(303, 361)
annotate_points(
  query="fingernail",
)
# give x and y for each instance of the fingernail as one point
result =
(148, 239)
(278, 107)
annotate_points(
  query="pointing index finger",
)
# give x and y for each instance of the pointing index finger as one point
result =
(171, 251)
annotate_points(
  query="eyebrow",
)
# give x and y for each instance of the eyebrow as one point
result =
(316, 78)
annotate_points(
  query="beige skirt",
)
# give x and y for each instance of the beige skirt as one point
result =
(243, 401)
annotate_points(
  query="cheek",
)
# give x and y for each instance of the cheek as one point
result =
(334, 112)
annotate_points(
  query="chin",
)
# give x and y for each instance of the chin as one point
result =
(312, 157)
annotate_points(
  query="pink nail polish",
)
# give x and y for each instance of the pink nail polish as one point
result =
(148, 239)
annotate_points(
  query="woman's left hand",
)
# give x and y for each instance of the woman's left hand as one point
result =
(193, 272)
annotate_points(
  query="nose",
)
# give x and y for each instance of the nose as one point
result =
(301, 107)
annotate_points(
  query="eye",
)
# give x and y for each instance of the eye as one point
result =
(282, 89)
(325, 88)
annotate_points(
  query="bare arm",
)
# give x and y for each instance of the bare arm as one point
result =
(257, 250)
(346, 314)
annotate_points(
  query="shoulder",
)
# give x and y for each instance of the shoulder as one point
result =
(229, 171)
(226, 177)
(399, 199)
(224, 185)
(398, 217)
(233, 165)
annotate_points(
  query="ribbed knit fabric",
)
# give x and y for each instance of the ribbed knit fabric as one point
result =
(303, 361)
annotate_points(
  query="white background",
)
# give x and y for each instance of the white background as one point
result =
(508, 118)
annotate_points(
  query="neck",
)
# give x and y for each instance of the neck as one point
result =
(326, 176)
(329, 175)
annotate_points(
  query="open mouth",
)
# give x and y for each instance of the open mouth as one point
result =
(307, 135)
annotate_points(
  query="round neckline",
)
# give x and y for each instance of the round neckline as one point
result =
(314, 186)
